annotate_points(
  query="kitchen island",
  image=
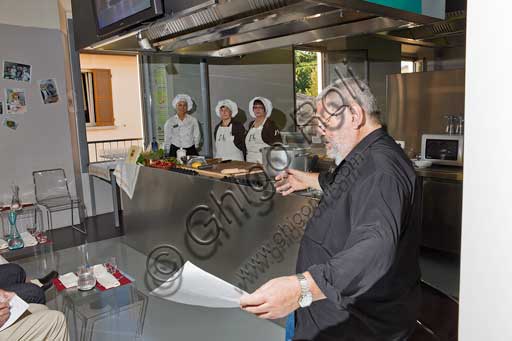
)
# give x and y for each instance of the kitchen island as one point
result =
(244, 233)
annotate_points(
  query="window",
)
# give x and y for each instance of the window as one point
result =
(97, 94)
(308, 72)
(413, 64)
(407, 66)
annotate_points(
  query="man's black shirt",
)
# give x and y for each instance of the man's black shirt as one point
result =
(361, 247)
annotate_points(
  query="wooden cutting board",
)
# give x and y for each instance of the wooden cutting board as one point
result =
(216, 171)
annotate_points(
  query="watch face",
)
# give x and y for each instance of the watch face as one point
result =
(306, 300)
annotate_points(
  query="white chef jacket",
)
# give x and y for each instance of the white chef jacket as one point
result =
(182, 134)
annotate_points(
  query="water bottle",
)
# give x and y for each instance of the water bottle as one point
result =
(154, 145)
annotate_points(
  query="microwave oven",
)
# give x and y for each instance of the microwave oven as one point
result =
(443, 149)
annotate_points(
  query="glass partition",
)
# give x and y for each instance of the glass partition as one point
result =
(164, 77)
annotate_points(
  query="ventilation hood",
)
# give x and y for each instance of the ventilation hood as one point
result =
(223, 28)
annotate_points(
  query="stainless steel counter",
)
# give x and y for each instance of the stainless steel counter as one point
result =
(245, 235)
(441, 172)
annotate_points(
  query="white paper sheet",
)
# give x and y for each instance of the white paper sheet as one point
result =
(195, 286)
(28, 239)
(69, 280)
(106, 279)
(126, 177)
(17, 308)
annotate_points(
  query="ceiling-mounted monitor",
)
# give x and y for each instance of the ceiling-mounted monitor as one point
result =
(115, 15)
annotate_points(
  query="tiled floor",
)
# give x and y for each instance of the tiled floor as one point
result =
(166, 320)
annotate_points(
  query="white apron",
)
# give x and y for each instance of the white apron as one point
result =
(225, 147)
(254, 143)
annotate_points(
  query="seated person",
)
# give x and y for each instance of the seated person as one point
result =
(13, 278)
(37, 323)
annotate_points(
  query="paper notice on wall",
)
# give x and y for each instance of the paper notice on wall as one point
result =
(195, 286)
(49, 91)
(15, 101)
(161, 102)
(10, 123)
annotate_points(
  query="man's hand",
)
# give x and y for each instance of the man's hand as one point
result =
(275, 299)
(5, 311)
(293, 180)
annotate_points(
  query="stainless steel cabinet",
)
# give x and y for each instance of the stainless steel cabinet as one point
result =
(442, 214)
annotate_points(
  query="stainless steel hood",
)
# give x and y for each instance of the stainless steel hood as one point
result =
(222, 28)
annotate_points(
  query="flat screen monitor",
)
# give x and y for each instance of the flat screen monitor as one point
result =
(116, 15)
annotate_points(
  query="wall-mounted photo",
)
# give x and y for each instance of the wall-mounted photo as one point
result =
(15, 101)
(49, 91)
(17, 72)
(10, 123)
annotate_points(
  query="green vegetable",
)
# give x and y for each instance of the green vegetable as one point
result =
(144, 157)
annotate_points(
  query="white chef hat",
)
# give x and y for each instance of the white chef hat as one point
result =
(228, 104)
(184, 98)
(266, 103)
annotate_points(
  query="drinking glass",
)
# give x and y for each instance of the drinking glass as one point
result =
(111, 265)
(86, 279)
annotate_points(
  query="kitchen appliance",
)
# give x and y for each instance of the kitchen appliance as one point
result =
(442, 149)
(278, 158)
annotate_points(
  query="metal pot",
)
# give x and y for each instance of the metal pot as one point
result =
(279, 158)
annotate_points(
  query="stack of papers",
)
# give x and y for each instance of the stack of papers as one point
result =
(195, 286)
(105, 278)
(69, 280)
(28, 239)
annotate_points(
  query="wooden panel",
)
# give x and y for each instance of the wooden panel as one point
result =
(103, 104)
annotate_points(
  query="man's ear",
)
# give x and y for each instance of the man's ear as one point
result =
(357, 116)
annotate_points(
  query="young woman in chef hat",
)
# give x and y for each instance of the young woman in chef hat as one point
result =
(181, 131)
(229, 135)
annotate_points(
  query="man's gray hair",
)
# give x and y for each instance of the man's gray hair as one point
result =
(351, 91)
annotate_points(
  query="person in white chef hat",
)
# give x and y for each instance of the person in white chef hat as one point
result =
(262, 131)
(181, 131)
(229, 135)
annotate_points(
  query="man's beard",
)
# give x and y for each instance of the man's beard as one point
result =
(334, 151)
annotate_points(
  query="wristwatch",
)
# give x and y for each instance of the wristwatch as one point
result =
(306, 298)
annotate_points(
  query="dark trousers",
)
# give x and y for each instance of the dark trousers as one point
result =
(190, 150)
(13, 277)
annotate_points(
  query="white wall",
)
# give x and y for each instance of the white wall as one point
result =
(42, 140)
(125, 95)
(31, 13)
(486, 274)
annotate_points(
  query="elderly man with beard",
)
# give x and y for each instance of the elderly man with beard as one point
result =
(357, 275)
